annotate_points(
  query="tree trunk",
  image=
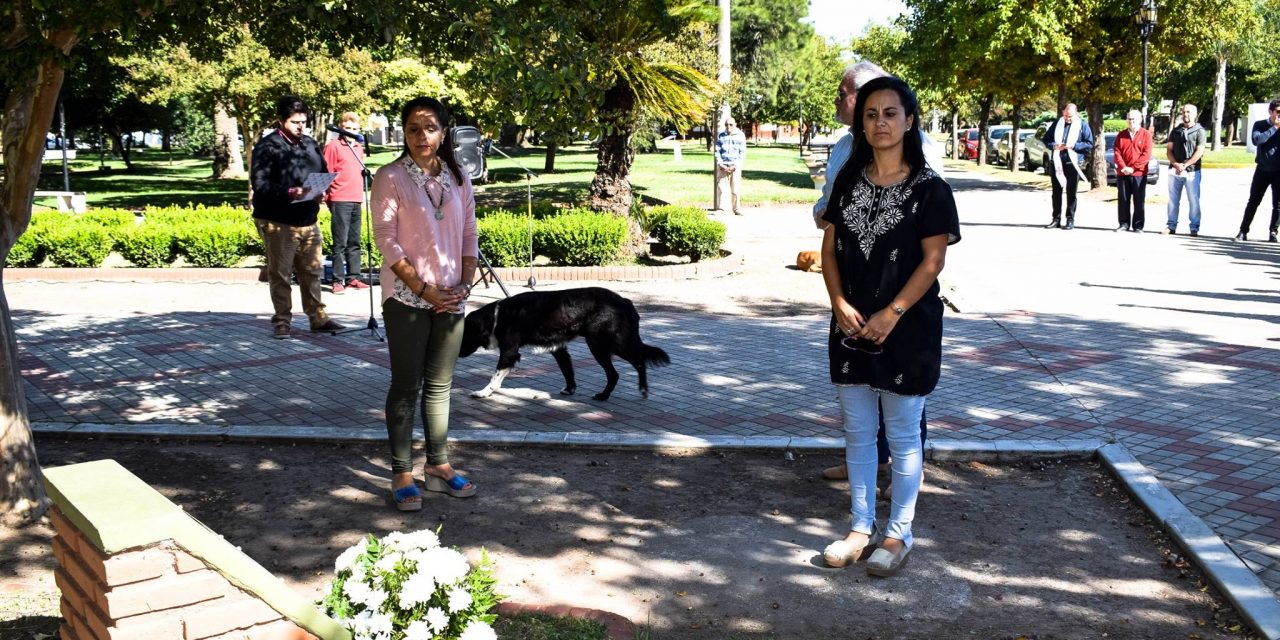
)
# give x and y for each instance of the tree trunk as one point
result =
(1219, 99)
(611, 186)
(549, 163)
(166, 144)
(955, 134)
(28, 114)
(227, 162)
(984, 122)
(1015, 149)
(1097, 173)
(246, 131)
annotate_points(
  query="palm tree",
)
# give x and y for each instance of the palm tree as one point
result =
(666, 91)
(589, 66)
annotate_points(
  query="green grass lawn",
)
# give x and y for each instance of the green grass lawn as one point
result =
(773, 174)
(1226, 157)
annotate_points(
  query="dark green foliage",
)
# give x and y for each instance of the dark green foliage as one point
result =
(693, 235)
(325, 221)
(26, 252)
(148, 245)
(504, 238)
(654, 219)
(581, 238)
(210, 244)
(76, 245)
(537, 626)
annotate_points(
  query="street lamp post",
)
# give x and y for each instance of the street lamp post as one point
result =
(1146, 19)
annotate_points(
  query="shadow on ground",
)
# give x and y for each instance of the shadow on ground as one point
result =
(714, 546)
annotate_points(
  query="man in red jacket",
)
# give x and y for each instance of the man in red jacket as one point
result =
(344, 198)
(1133, 154)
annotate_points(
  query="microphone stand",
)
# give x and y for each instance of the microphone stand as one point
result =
(367, 178)
(528, 182)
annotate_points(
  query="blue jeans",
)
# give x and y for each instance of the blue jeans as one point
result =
(1190, 180)
(860, 406)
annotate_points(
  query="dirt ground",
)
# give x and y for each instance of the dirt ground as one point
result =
(721, 545)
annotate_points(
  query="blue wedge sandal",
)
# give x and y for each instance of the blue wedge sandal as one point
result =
(457, 486)
(403, 497)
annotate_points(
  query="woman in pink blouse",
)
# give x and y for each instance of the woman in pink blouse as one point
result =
(424, 222)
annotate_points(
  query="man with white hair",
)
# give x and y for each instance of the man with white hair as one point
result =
(1185, 146)
(856, 75)
(1133, 154)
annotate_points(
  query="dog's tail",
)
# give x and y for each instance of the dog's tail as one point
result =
(655, 357)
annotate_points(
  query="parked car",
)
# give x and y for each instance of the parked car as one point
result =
(994, 133)
(1004, 148)
(970, 149)
(1153, 167)
(1037, 155)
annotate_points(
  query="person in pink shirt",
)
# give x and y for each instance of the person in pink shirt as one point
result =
(424, 221)
(344, 198)
(1133, 153)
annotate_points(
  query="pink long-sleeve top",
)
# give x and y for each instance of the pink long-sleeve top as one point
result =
(405, 224)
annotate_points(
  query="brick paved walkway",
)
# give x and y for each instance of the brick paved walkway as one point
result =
(1168, 345)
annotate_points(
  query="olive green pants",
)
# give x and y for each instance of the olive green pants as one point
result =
(424, 347)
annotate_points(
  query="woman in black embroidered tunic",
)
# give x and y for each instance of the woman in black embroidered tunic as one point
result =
(891, 221)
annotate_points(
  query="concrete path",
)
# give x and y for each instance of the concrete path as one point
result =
(1169, 345)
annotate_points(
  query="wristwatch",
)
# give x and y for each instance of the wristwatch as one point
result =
(898, 310)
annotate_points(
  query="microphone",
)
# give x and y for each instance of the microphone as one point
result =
(344, 133)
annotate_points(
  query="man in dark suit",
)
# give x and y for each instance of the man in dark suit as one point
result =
(1070, 138)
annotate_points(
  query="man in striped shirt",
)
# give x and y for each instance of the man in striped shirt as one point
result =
(731, 150)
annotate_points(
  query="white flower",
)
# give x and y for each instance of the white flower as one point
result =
(447, 565)
(418, 630)
(478, 631)
(355, 590)
(459, 599)
(381, 625)
(437, 619)
(361, 623)
(417, 590)
(387, 563)
(425, 539)
(348, 558)
(359, 592)
(374, 600)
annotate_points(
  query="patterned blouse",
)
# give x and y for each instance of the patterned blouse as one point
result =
(878, 233)
(430, 220)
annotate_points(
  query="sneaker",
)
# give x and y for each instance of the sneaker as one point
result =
(1168, 232)
(1195, 234)
(338, 289)
(357, 283)
(280, 331)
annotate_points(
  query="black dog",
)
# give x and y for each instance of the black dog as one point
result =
(549, 320)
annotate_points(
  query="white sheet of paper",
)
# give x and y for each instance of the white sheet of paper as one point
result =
(315, 184)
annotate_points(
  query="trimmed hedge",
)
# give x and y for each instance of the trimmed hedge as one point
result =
(148, 245)
(83, 245)
(581, 238)
(504, 238)
(213, 245)
(693, 235)
(222, 236)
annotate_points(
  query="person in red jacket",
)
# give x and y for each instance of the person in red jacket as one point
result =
(1133, 154)
(344, 198)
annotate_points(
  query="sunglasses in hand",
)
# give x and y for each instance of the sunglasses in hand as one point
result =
(861, 344)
